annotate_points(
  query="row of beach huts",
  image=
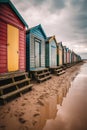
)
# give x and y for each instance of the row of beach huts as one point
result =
(27, 54)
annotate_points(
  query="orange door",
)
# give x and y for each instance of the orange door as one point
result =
(13, 48)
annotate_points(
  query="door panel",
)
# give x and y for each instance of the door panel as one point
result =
(37, 54)
(13, 48)
(53, 56)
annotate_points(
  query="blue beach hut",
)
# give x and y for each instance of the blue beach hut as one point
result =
(35, 52)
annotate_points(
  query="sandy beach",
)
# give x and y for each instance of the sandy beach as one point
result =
(24, 113)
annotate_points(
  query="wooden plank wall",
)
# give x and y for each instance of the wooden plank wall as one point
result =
(3, 47)
(7, 16)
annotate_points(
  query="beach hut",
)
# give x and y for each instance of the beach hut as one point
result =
(72, 57)
(51, 56)
(12, 48)
(68, 56)
(35, 53)
(64, 55)
(12, 38)
(51, 52)
(59, 54)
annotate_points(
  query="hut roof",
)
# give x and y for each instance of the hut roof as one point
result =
(59, 43)
(37, 27)
(49, 39)
(15, 10)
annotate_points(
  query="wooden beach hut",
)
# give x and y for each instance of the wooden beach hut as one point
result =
(68, 56)
(51, 52)
(51, 56)
(72, 57)
(12, 48)
(59, 54)
(35, 53)
(64, 55)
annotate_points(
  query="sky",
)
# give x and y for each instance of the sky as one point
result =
(66, 19)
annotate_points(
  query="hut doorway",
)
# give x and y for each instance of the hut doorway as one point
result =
(37, 54)
(53, 56)
(13, 47)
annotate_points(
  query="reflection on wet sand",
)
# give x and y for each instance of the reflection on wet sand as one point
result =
(72, 115)
(49, 110)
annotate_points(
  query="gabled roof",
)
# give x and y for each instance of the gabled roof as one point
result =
(37, 27)
(64, 47)
(15, 10)
(59, 44)
(49, 39)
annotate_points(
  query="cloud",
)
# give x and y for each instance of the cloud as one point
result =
(67, 20)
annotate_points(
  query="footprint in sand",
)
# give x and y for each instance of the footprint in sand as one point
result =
(24, 128)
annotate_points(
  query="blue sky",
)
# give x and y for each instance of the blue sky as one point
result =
(66, 19)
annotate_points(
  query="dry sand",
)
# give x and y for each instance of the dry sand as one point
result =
(30, 111)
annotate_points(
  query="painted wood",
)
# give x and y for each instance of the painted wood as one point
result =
(3, 47)
(22, 50)
(13, 48)
(51, 52)
(60, 53)
(35, 53)
(64, 55)
(9, 15)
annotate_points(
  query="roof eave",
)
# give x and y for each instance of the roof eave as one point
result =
(15, 10)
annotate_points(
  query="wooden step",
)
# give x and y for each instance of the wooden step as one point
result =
(60, 73)
(15, 92)
(12, 75)
(44, 78)
(58, 70)
(45, 73)
(14, 83)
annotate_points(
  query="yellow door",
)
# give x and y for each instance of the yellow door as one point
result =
(13, 47)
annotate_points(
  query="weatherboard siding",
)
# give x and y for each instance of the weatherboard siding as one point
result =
(37, 33)
(43, 53)
(47, 54)
(3, 47)
(34, 36)
(7, 16)
(32, 51)
(22, 50)
(51, 54)
(60, 54)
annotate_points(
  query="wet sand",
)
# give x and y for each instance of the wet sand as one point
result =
(72, 114)
(25, 113)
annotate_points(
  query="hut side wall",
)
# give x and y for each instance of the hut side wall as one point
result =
(3, 47)
(60, 57)
(53, 51)
(47, 54)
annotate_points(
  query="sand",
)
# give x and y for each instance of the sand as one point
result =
(30, 111)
